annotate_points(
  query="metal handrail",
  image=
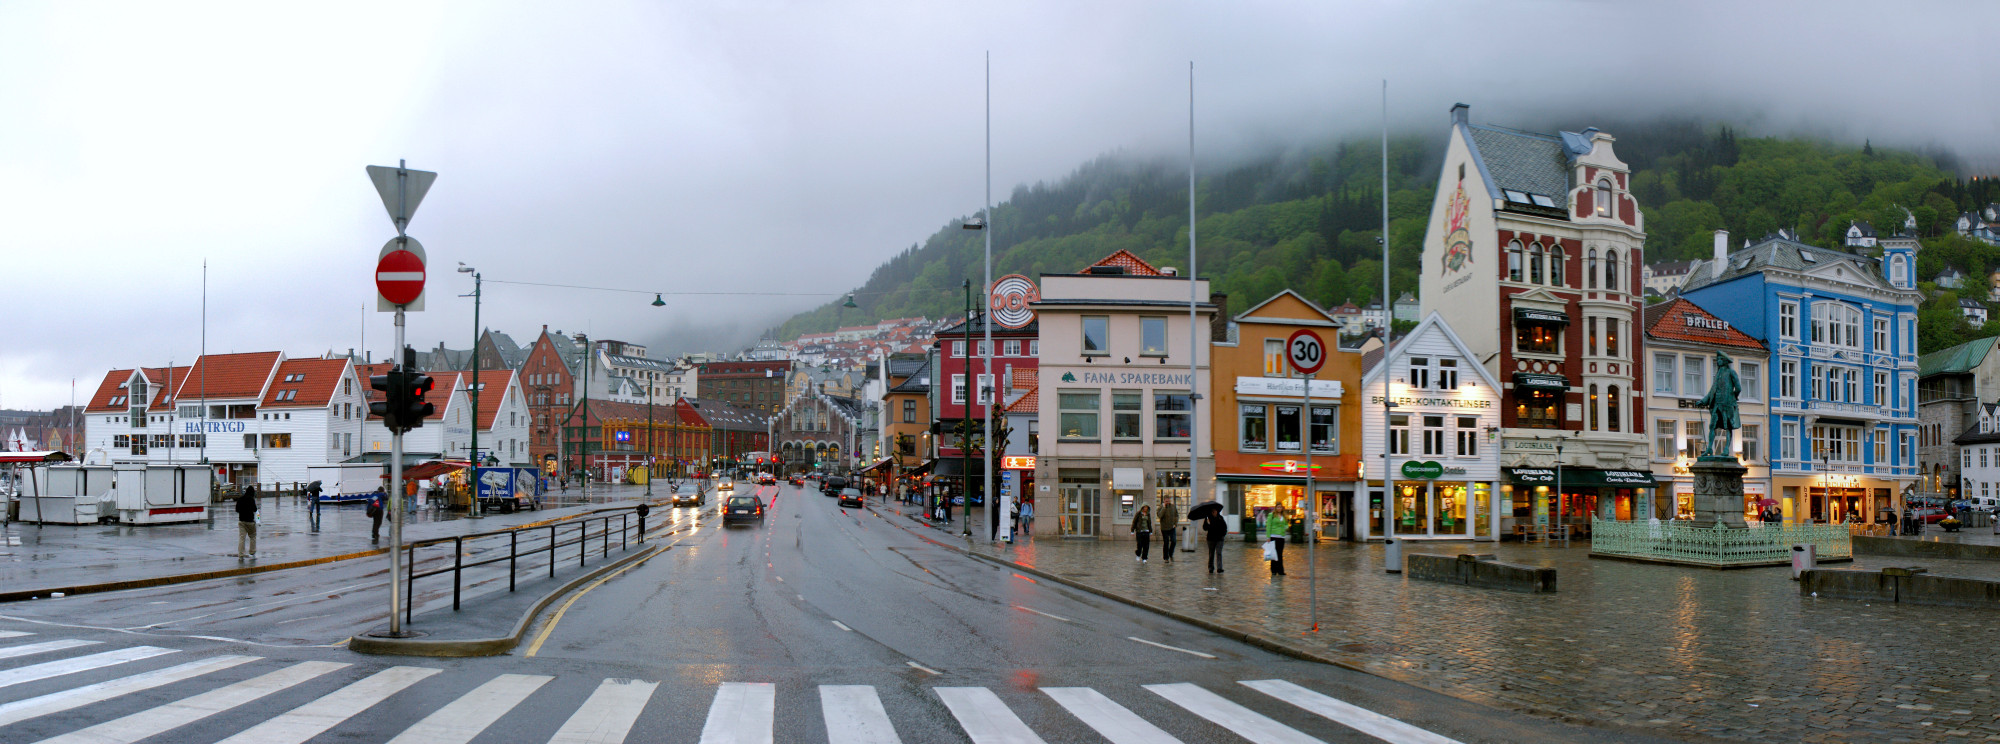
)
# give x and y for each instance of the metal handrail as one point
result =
(628, 518)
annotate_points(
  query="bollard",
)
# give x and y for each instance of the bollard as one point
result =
(1392, 556)
(1805, 557)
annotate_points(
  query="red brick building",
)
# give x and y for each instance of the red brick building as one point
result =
(550, 379)
(756, 386)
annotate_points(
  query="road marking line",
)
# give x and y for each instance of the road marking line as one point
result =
(985, 719)
(607, 717)
(1346, 714)
(536, 647)
(1111, 720)
(854, 715)
(42, 648)
(1043, 614)
(775, 576)
(915, 665)
(1171, 648)
(741, 714)
(73, 665)
(314, 718)
(155, 721)
(464, 718)
(57, 702)
(802, 598)
(13, 634)
(841, 626)
(1242, 721)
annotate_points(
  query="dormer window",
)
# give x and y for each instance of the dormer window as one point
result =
(1897, 271)
(1604, 197)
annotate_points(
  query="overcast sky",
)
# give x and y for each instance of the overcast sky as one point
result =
(764, 146)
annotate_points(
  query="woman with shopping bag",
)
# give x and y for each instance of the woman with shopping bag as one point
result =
(1277, 526)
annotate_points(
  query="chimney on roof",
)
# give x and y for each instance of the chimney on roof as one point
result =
(1721, 254)
(1459, 113)
(1218, 326)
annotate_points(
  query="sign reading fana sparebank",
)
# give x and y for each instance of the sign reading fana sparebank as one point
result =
(1126, 378)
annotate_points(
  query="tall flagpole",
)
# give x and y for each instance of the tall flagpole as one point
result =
(1391, 554)
(1194, 332)
(986, 318)
(202, 443)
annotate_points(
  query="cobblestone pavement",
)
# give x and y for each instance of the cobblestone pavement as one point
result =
(1733, 654)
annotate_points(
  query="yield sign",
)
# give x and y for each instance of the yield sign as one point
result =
(401, 189)
(399, 275)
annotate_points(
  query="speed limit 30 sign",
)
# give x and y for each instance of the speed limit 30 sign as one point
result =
(1306, 351)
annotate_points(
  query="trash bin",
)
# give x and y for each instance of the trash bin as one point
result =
(1392, 556)
(1804, 558)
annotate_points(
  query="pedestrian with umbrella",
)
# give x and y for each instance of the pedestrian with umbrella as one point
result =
(1209, 514)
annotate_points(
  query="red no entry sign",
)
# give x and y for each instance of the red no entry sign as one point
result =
(399, 276)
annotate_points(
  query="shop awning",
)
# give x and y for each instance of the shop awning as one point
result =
(12, 458)
(432, 469)
(952, 467)
(922, 467)
(1544, 382)
(1582, 477)
(878, 465)
(1532, 315)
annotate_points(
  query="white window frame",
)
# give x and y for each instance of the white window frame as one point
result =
(1788, 320)
(1788, 442)
(1752, 376)
(1694, 374)
(1665, 373)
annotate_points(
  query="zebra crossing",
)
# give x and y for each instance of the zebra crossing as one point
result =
(167, 701)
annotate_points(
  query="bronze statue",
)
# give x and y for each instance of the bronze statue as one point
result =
(1723, 418)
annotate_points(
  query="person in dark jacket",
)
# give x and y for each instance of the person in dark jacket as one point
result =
(1142, 528)
(1217, 530)
(1170, 527)
(246, 522)
(312, 502)
(377, 506)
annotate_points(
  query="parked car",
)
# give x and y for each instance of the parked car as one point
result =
(851, 497)
(743, 509)
(689, 494)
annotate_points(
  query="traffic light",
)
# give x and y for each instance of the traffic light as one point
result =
(393, 391)
(415, 409)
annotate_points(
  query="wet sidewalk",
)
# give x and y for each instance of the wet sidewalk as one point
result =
(35, 556)
(1735, 654)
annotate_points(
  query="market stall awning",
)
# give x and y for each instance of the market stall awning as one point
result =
(432, 469)
(1581, 477)
(878, 465)
(15, 458)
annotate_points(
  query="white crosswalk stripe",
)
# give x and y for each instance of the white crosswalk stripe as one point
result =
(9, 652)
(984, 717)
(462, 719)
(854, 715)
(1247, 723)
(183, 712)
(57, 702)
(57, 668)
(609, 713)
(1346, 714)
(741, 714)
(13, 634)
(314, 718)
(1109, 719)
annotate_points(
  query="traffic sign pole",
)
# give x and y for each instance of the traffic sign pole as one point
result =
(399, 287)
(1308, 353)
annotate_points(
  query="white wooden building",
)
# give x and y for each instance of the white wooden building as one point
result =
(1444, 459)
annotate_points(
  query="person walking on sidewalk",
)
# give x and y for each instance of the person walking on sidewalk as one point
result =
(1277, 526)
(246, 523)
(377, 505)
(1218, 530)
(1142, 526)
(1028, 517)
(1170, 525)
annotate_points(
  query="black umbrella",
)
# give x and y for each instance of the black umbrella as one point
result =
(1202, 510)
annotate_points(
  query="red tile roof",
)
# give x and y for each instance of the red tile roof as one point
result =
(100, 402)
(497, 382)
(321, 377)
(1030, 403)
(228, 375)
(1668, 321)
(164, 379)
(442, 384)
(1133, 264)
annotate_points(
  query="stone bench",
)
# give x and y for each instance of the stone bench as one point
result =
(1901, 585)
(1481, 571)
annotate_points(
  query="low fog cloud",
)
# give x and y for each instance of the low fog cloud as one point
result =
(769, 147)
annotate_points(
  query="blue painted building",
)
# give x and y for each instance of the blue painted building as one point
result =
(1841, 373)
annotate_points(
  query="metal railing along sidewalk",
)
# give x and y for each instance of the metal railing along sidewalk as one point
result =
(628, 523)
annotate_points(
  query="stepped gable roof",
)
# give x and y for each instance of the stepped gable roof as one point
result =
(229, 375)
(1960, 359)
(107, 391)
(1780, 252)
(304, 383)
(1524, 161)
(1664, 321)
(1134, 266)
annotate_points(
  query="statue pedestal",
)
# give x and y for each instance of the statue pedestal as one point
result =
(1718, 491)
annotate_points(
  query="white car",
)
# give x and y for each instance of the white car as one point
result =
(725, 485)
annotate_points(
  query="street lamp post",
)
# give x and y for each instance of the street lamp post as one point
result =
(650, 467)
(473, 510)
(965, 417)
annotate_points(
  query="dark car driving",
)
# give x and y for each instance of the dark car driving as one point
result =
(689, 494)
(832, 485)
(743, 509)
(851, 497)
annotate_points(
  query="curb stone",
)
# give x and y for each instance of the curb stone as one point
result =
(367, 644)
(115, 586)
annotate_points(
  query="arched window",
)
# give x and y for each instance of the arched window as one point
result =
(1593, 407)
(1612, 280)
(1611, 407)
(1535, 264)
(1556, 275)
(1590, 268)
(1514, 261)
(1604, 197)
(1896, 270)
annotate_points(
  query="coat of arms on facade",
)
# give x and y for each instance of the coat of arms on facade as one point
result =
(1457, 240)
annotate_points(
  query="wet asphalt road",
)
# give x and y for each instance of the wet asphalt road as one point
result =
(815, 596)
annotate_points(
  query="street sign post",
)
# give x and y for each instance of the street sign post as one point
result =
(399, 286)
(1307, 354)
